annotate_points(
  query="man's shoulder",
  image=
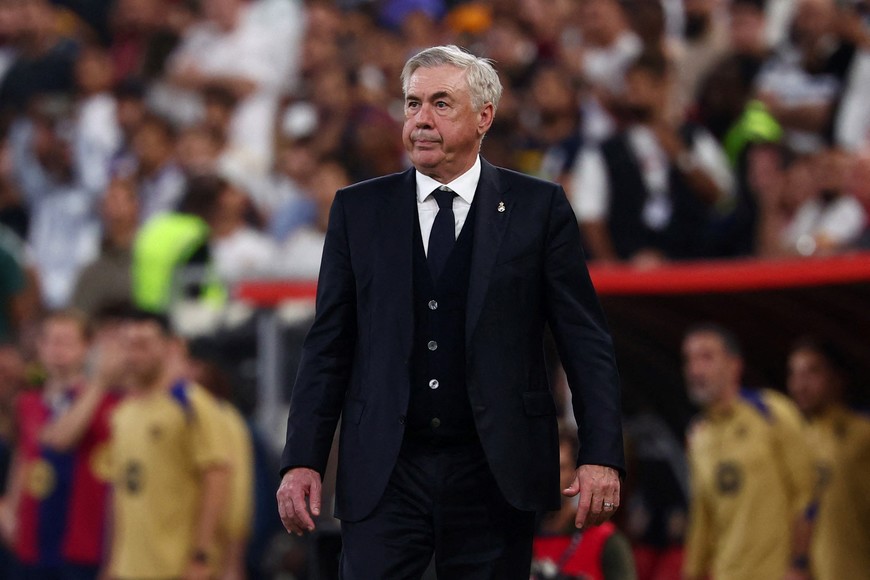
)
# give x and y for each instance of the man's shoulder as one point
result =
(512, 177)
(377, 186)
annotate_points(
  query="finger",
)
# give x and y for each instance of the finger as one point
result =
(300, 512)
(609, 508)
(596, 509)
(286, 511)
(572, 489)
(582, 510)
(314, 497)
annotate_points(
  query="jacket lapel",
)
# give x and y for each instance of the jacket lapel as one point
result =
(394, 267)
(490, 223)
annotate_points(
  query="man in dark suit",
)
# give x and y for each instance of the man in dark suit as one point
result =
(435, 288)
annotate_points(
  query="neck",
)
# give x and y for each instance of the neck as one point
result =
(147, 385)
(725, 403)
(121, 235)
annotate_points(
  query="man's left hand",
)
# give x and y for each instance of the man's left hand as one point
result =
(598, 487)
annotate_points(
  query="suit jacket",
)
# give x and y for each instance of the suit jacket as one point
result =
(527, 270)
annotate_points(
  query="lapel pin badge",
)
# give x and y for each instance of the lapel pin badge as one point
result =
(501, 207)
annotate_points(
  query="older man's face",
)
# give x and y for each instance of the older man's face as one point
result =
(442, 131)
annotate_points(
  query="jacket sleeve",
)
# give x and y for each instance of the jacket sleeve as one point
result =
(583, 340)
(327, 354)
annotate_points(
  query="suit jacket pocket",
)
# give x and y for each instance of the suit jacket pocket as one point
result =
(538, 403)
(353, 410)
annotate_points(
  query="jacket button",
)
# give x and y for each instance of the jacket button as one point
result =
(432, 345)
(436, 422)
(401, 419)
(433, 305)
(433, 384)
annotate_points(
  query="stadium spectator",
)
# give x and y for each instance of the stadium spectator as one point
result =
(64, 231)
(299, 254)
(284, 197)
(84, 430)
(249, 48)
(801, 83)
(552, 132)
(198, 150)
(809, 210)
(106, 280)
(239, 251)
(608, 48)
(141, 30)
(166, 444)
(175, 240)
(852, 128)
(780, 182)
(561, 551)
(131, 111)
(705, 42)
(45, 51)
(648, 193)
(160, 181)
(750, 468)
(840, 440)
(97, 137)
(727, 87)
(41, 479)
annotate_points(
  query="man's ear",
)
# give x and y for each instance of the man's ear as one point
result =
(484, 119)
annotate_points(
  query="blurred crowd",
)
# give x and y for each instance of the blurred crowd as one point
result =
(679, 129)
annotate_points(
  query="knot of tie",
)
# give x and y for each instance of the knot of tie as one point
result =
(444, 197)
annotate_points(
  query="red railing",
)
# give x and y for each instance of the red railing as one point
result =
(677, 278)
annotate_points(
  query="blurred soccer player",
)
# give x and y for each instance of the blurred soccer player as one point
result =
(840, 439)
(750, 468)
(169, 463)
(40, 480)
(235, 527)
(84, 431)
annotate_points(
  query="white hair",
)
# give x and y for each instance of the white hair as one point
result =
(482, 80)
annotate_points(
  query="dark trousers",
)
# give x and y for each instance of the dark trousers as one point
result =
(441, 500)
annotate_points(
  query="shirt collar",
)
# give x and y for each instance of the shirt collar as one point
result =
(464, 186)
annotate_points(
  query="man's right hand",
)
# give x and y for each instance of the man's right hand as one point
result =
(298, 484)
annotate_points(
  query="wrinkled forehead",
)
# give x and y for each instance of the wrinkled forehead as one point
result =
(438, 79)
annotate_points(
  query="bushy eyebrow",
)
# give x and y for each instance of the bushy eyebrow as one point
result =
(433, 97)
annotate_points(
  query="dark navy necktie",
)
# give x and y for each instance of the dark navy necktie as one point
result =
(443, 234)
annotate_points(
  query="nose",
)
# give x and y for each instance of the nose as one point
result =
(423, 117)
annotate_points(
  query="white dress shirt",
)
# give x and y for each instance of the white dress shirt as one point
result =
(464, 186)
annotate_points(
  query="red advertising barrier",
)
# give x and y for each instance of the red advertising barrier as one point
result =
(676, 278)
